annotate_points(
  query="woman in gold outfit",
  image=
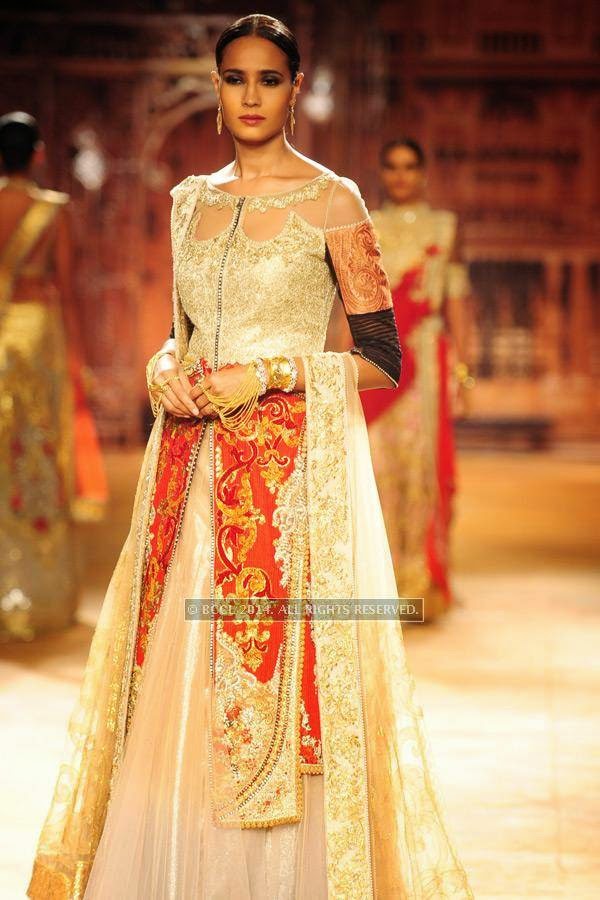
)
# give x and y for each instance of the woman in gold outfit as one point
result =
(251, 752)
(50, 466)
(410, 431)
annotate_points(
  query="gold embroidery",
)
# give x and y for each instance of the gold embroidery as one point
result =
(258, 735)
(253, 642)
(340, 701)
(291, 519)
(272, 272)
(214, 196)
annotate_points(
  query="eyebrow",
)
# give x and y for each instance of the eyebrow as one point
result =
(261, 72)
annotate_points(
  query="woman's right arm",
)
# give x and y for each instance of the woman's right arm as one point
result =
(164, 369)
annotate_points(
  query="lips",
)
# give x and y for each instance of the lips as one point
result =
(252, 120)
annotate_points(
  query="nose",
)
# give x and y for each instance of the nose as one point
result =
(251, 97)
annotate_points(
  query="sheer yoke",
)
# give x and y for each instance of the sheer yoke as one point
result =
(265, 218)
(258, 275)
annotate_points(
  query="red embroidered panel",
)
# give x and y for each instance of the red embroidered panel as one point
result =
(250, 467)
(179, 441)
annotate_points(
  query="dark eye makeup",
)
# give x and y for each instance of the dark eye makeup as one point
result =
(270, 79)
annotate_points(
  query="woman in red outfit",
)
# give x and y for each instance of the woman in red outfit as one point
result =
(410, 430)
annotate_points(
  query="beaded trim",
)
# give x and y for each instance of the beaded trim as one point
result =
(294, 375)
(349, 225)
(261, 374)
(360, 353)
(214, 196)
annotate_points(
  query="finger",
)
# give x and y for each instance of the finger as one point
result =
(181, 393)
(205, 383)
(166, 389)
(205, 406)
(183, 375)
(170, 395)
(174, 411)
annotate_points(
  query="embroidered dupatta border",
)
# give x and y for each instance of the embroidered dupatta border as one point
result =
(184, 197)
(349, 869)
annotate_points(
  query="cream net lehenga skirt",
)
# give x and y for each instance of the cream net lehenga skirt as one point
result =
(158, 841)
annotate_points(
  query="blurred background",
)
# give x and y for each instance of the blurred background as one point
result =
(504, 96)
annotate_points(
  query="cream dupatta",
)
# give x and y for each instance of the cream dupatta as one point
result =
(385, 832)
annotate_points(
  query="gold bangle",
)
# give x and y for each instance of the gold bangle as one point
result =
(280, 375)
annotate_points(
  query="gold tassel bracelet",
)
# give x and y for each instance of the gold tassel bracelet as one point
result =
(235, 411)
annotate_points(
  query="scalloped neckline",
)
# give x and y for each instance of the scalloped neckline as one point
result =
(276, 194)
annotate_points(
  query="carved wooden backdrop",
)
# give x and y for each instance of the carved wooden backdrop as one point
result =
(504, 96)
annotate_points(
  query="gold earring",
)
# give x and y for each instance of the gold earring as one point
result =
(219, 119)
(292, 119)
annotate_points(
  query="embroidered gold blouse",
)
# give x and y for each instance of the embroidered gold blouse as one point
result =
(258, 275)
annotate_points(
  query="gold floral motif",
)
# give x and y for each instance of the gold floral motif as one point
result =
(253, 642)
(241, 519)
(309, 740)
(213, 196)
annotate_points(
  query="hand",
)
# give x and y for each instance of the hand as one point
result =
(223, 383)
(176, 399)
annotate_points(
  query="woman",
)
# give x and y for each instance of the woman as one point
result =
(49, 455)
(232, 771)
(410, 430)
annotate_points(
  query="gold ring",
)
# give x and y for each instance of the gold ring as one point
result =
(163, 385)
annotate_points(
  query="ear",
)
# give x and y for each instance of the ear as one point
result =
(296, 85)
(216, 80)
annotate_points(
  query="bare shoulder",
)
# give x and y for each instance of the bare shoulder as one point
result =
(347, 206)
(297, 171)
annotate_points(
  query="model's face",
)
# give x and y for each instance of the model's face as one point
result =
(402, 176)
(255, 89)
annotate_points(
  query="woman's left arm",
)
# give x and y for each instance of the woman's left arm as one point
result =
(364, 288)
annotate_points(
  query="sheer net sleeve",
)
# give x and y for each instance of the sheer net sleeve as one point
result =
(363, 285)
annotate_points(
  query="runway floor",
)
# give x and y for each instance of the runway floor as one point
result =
(510, 680)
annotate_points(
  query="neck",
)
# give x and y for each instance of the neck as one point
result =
(258, 160)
